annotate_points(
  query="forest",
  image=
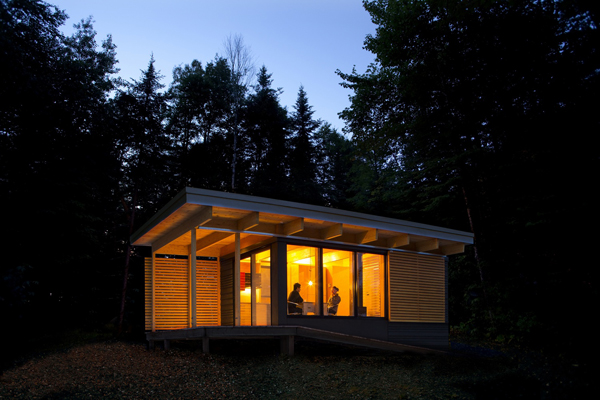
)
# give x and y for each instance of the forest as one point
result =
(478, 115)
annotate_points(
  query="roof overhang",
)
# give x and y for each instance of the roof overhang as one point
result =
(218, 216)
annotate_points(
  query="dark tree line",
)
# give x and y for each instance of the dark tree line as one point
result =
(478, 115)
(86, 158)
(485, 116)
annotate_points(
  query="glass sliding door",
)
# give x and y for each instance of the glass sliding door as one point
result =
(246, 291)
(255, 289)
(261, 288)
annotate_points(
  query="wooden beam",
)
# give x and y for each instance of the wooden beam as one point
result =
(203, 216)
(428, 245)
(244, 243)
(454, 248)
(295, 226)
(248, 222)
(332, 232)
(367, 236)
(211, 239)
(399, 241)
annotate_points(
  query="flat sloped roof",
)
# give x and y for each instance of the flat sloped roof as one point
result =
(217, 216)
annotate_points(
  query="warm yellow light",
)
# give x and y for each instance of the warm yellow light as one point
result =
(310, 283)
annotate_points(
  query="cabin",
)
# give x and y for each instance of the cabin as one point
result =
(224, 265)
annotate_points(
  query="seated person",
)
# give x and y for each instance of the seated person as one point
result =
(295, 300)
(334, 301)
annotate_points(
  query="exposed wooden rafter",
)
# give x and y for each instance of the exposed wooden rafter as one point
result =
(294, 226)
(401, 240)
(367, 236)
(332, 232)
(453, 248)
(211, 239)
(248, 222)
(427, 245)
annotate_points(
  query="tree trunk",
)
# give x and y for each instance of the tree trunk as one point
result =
(476, 254)
(131, 218)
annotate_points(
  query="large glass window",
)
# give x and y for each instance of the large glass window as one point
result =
(302, 280)
(352, 283)
(371, 280)
(338, 282)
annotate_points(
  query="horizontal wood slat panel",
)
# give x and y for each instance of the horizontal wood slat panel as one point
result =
(172, 291)
(207, 293)
(417, 288)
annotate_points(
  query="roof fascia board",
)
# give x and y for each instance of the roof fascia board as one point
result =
(178, 201)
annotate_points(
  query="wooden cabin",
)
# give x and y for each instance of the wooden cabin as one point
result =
(230, 260)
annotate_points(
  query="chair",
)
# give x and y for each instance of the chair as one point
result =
(294, 308)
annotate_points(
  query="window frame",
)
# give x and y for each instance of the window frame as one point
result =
(320, 246)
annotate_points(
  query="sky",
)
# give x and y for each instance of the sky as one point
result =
(301, 42)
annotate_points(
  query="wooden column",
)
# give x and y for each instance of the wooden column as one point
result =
(286, 344)
(236, 281)
(192, 277)
(153, 288)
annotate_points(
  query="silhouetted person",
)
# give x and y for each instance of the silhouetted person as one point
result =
(295, 300)
(334, 300)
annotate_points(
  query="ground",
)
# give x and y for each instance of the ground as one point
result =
(255, 370)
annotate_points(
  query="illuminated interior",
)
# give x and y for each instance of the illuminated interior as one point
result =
(360, 278)
(371, 280)
(338, 271)
(302, 269)
(255, 289)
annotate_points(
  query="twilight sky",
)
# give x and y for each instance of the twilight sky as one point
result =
(301, 42)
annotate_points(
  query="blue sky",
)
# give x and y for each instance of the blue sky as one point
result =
(301, 42)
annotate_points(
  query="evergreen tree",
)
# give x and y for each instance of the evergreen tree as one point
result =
(474, 99)
(336, 155)
(303, 157)
(200, 118)
(145, 154)
(266, 127)
(55, 146)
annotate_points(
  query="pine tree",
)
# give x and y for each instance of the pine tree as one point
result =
(303, 155)
(266, 127)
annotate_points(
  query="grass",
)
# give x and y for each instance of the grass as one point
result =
(77, 364)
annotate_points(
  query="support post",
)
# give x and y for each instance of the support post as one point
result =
(236, 281)
(167, 345)
(205, 348)
(287, 345)
(192, 275)
(153, 290)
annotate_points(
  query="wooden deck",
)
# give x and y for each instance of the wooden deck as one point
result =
(286, 334)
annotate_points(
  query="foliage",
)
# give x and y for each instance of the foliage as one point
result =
(469, 102)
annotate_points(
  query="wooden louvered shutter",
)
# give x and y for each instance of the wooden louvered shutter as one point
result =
(417, 288)
(208, 299)
(172, 303)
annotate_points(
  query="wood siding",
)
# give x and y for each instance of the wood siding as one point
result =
(171, 296)
(227, 297)
(208, 299)
(417, 288)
